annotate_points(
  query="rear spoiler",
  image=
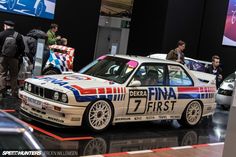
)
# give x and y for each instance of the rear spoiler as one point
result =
(205, 77)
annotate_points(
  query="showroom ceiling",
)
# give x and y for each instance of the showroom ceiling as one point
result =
(117, 7)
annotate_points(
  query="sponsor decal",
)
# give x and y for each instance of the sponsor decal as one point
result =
(122, 119)
(52, 80)
(137, 118)
(76, 77)
(160, 106)
(33, 101)
(152, 101)
(150, 117)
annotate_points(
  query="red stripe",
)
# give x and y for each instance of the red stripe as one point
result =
(109, 90)
(188, 89)
(161, 149)
(125, 90)
(114, 90)
(9, 110)
(200, 145)
(101, 91)
(46, 132)
(85, 91)
(122, 90)
(58, 137)
(77, 138)
(116, 154)
(118, 89)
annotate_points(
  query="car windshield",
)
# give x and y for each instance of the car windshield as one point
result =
(110, 68)
(230, 78)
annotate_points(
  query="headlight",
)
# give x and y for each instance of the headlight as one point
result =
(64, 98)
(56, 96)
(26, 86)
(29, 87)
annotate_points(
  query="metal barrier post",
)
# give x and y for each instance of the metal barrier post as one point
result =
(39, 57)
(230, 141)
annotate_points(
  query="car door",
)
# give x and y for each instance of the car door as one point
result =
(143, 97)
(183, 85)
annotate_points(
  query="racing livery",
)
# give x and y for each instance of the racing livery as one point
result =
(115, 89)
(60, 60)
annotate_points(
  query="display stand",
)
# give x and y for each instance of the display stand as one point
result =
(39, 57)
(230, 141)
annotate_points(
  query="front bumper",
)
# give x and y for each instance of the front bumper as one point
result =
(50, 111)
(223, 99)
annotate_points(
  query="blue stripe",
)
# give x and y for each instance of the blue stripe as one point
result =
(80, 98)
(102, 96)
(189, 96)
(110, 97)
(115, 96)
(118, 99)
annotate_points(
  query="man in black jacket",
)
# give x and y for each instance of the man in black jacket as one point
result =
(10, 62)
(216, 70)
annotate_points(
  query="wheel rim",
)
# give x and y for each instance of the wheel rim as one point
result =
(100, 115)
(194, 113)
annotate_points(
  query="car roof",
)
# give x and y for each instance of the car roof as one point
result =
(141, 59)
(163, 56)
(10, 123)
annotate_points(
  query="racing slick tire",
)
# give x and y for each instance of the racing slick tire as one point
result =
(11, 4)
(51, 71)
(192, 114)
(99, 115)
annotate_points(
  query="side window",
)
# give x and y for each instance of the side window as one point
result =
(178, 77)
(150, 75)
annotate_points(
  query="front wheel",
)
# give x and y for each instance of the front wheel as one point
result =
(192, 114)
(51, 71)
(99, 115)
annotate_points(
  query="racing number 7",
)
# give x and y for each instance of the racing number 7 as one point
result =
(138, 104)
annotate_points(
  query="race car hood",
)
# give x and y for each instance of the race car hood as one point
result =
(63, 82)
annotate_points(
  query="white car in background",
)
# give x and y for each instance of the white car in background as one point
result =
(192, 64)
(115, 89)
(225, 92)
(197, 67)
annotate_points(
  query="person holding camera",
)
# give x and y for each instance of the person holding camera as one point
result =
(52, 38)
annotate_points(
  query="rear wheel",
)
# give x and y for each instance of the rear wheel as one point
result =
(192, 114)
(99, 115)
(51, 71)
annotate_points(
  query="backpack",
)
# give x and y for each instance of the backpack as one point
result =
(9, 48)
(30, 47)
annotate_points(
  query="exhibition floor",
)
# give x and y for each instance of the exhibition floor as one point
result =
(131, 136)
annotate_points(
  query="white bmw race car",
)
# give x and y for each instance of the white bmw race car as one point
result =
(114, 89)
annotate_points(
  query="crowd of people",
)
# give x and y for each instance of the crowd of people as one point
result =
(14, 46)
(177, 55)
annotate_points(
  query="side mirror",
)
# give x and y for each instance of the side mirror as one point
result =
(135, 83)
